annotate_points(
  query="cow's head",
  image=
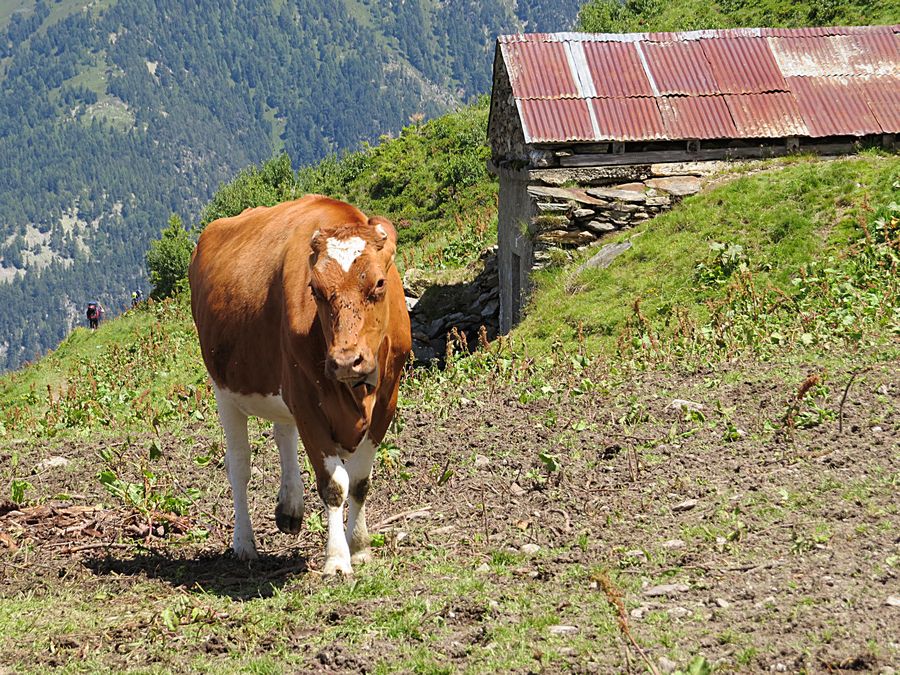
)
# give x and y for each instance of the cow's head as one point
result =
(348, 279)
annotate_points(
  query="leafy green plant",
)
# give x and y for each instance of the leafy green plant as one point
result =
(151, 494)
(17, 490)
(727, 260)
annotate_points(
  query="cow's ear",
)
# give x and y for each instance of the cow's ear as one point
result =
(385, 234)
(316, 244)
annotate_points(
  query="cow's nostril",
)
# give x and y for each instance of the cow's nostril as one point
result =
(358, 362)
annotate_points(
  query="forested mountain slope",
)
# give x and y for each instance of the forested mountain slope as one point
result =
(115, 114)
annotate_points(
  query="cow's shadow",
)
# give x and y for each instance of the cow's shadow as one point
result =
(217, 573)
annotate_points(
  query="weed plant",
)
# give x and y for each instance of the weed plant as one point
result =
(847, 302)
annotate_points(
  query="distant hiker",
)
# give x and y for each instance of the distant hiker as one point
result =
(93, 314)
(136, 297)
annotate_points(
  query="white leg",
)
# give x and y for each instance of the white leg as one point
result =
(237, 463)
(334, 493)
(359, 472)
(289, 509)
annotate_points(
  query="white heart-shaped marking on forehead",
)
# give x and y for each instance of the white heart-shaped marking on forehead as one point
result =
(345, 251)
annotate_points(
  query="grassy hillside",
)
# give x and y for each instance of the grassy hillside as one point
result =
(543, 504)
(764, 233)
(612, 16)
(771, 261)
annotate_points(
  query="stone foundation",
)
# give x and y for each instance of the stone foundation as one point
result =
(570, 218)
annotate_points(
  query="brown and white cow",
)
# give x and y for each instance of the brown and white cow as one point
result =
(302, 320)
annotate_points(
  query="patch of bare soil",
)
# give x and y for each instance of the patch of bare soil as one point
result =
(761, 538)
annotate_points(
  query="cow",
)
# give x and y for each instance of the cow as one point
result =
(302, 320)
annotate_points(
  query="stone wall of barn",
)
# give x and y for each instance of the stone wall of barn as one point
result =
(547, 215)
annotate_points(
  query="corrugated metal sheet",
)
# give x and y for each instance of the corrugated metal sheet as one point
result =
(850, 55)
(540, 70)
(628, 119)
(743, 66)
(555, 120)
(679, 68)
(773, 115)
(735, 83)
(883, 100)
(696, 117)
(616, 70)
(878, 53)
(833, 106)
(824, 31)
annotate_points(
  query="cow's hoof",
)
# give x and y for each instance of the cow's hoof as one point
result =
(287, 522)
(337, 565)
(245, 550)
(361, 557)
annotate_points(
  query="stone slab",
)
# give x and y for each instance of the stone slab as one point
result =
(617, 194)
(565, 237)
(679, 186)
(689, 168)
(565, 194)
(604, 257)
(599, 175)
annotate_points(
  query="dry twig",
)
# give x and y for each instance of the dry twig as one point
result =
(614, 597)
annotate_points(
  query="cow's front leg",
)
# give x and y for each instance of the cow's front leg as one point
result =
(237, 463)
(333, 484)
(359, 471)
(289, 509)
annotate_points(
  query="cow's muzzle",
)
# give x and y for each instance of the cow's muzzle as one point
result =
(352, 367)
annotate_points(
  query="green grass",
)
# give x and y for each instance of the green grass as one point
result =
(134, 371)
(611, 16)
(784, 217)
(407, 601)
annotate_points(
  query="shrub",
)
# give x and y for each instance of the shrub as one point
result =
(168, 259)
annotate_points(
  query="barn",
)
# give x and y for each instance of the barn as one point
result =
(593, 133)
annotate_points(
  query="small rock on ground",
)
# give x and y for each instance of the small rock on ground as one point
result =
(51, 463)
(686, 505)
(666, 589)
(563, 630)
(666, 665)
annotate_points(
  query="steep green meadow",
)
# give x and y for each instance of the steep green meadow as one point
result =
(767, 225)
(539, 505)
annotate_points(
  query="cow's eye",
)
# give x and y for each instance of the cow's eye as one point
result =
(377, 291)
(317, 294)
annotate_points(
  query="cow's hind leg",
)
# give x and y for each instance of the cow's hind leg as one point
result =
(289, 509)
(237, 463)
(359, 471)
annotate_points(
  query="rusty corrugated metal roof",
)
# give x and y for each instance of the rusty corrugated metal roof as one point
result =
(743, 66)
(696, 117)
(770, 115)
(569, 119)
(628, 119)
(883, 101)
(616, 70)
(735, 83)
(833, 106)
(678, 67)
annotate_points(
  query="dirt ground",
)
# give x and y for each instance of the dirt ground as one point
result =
(740, 526)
